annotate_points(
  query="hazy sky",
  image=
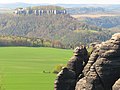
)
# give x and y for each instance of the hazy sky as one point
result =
(64, 1)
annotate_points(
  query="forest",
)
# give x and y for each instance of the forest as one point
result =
(65, 29)
(104, 22)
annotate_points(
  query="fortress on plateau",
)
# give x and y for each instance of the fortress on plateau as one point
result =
(40, 10)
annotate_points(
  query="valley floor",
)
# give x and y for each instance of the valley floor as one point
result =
(94, 15)
(21, 68)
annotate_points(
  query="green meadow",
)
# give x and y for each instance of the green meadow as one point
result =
(22, 68)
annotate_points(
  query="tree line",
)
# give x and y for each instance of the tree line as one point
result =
(30, 42)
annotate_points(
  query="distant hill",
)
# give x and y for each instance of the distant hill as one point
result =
(103, 22)
(20, 4)
(47, 7)
(72, 8)
(63, 28)
(86, 10)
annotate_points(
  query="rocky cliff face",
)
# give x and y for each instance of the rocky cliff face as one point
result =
(66, 79)
(102, 72)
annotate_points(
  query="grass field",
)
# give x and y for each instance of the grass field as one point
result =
(21, 68)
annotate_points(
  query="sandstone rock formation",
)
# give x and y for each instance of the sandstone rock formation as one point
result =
(116, 86)
(78, 61)
(66, 79)
(101, 72)
(103, 67)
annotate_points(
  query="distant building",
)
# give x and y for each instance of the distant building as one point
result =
(21, 11)
(24, 11)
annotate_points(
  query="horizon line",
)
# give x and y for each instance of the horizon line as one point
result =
(67, 3)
